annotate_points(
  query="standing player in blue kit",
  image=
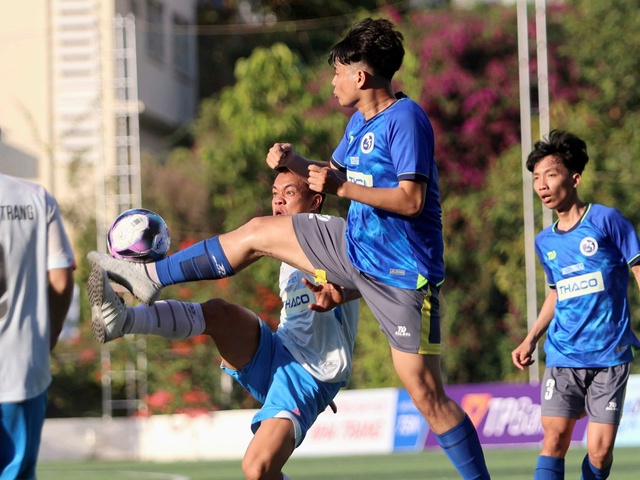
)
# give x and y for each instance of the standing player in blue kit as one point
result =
(390, 249)
(586, 255)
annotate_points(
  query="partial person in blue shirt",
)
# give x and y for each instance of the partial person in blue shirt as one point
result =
(390, 249)
(587, 255)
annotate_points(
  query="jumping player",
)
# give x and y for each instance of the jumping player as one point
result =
(390, 249)
(586, 255)
(311, 350)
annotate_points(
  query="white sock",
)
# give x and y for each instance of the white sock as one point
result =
(169, 319)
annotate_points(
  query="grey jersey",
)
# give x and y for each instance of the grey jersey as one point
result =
(32, 242)
(322, 342)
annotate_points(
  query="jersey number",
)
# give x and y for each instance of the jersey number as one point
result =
(548, 391)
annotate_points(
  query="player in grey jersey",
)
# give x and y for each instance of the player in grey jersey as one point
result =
(36, 286)
(311, 349)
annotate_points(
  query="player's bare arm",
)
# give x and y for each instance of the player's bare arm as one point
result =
(60, 294)
(406, 199)
(283, 155)
(521, 355)
(636, 273)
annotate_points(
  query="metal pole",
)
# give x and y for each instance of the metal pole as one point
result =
(527, 183)
(543, 86)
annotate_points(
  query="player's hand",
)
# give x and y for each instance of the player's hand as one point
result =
(521, 356)
(280, 155)
(324, 179)
(328, 296)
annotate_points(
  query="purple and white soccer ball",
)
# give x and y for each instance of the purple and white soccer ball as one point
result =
(139, 235)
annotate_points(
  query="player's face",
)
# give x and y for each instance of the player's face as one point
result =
(290, 195)
(554, 184)
(346, 82)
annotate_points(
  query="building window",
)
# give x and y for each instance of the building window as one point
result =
(181, 45)
(155, 29)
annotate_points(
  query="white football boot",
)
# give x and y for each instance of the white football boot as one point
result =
(108, 311)
(131, 275)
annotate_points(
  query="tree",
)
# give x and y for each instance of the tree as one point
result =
(233, 29)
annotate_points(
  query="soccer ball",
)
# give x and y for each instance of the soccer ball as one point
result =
(139, 235)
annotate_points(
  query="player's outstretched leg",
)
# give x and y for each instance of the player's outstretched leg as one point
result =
(111, 318)
(108, 312)
(135, 277)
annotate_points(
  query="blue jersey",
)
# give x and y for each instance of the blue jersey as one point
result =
(589, 268)
(397, 144)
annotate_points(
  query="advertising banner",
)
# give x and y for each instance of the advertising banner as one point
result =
(504, 413)
(363, 425)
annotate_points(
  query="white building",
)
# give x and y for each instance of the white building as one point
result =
(81, 92)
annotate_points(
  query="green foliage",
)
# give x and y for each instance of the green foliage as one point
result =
(309, 28)
(603, 39)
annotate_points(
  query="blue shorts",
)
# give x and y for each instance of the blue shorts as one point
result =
(20, 432)
(283, 386)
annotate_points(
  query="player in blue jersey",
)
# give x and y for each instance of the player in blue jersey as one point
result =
(586, 255)
(390, 249)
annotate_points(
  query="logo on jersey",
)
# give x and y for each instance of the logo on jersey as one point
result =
(572, 268)
(402, 331)
(360, 178)
(551, 255)
(296, 302)
(293, 279)
(612, 407)
(580, 285)
(588, 246)
(397, 271)
(354, 160)
(367, 142)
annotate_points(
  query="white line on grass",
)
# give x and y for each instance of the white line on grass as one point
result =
(154, 475)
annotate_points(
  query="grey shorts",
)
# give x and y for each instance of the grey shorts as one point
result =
(569, 392)
(410, 319)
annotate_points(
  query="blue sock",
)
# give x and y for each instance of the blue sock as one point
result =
(549, 468)
(202, 261)
(462, 445)
(589, 472)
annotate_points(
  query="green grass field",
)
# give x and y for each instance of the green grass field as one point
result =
(514, 464)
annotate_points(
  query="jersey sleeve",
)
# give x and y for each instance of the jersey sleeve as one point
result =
(547, 270)
(59, 252)
(623, 234)
(337, 159)
(411, 143)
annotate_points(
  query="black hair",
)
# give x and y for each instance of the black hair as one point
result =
(375, 42)
(565, 147)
